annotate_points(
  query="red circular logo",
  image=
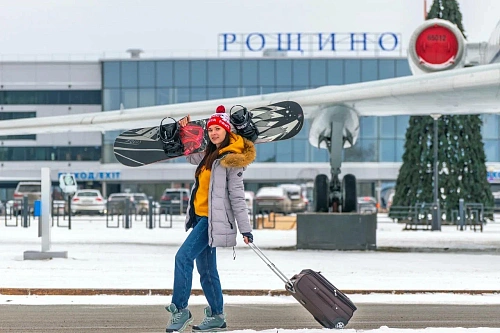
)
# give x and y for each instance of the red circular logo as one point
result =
(436, 45)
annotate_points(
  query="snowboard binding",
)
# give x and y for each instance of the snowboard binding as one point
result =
(171, 139)
(242, 122)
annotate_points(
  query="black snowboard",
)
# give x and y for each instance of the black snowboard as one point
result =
(142, 146)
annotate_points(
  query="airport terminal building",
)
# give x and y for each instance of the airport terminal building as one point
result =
(51, 88)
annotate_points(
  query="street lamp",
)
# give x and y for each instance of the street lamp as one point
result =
(436, 212)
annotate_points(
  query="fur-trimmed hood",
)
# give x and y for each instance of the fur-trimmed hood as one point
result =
(242, 152)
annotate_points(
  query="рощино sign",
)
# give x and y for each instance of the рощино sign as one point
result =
(311, 43)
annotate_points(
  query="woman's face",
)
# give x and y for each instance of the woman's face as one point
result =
(216, 134)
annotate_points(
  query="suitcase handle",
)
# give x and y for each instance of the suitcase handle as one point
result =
(270, 264)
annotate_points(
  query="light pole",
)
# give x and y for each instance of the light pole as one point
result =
(436, 212)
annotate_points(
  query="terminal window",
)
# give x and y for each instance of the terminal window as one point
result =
(17, 115)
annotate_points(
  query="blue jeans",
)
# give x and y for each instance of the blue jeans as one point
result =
(195, 247)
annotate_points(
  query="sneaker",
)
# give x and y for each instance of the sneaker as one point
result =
(179, 319)
(211, 323)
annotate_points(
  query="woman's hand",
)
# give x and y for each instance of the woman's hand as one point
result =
(247, 237)
(184, 121)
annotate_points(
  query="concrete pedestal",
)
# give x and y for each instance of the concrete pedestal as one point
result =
(335, 231)
(39, 255)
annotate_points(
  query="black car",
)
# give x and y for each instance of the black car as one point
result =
(174, 201)
(118, 201)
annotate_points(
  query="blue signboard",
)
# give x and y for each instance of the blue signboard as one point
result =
(94, 175)
(493, 176)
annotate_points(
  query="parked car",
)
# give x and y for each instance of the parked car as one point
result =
(141, 203)
(32, 189)
(294, 192)
(496, 198)
(9, 207)
(249, 201)
(156, 207)
(58, 207)
(89, 201)
(175, 200)
(390, 199)
(273, 199)
(34, 192)
(367, 205)
(117, 201)
(307, 201)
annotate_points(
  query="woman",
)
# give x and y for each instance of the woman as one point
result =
(217, 201)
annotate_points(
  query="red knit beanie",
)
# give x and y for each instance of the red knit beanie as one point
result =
(220, 118)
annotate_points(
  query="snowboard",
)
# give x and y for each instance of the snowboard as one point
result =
(143, 146)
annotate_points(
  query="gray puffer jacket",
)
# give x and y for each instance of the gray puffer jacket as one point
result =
(226, 196)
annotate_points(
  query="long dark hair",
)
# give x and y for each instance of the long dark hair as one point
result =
(211, 153)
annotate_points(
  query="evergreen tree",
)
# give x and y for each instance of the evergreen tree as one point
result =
(447, 10)
(461, 167)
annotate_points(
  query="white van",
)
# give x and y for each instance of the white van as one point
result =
(33, 190)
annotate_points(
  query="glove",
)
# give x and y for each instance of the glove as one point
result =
(249, 235)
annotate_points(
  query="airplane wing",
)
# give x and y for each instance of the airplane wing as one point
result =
(470, 90)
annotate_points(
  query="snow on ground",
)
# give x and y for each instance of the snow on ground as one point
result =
(101, 257)
(141, 258)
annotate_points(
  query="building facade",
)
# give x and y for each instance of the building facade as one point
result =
(155, 82)
(62, 88)
(41, 89)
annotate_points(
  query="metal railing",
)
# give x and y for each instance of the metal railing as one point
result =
(21, 213)
(414, 217)
(475, 215)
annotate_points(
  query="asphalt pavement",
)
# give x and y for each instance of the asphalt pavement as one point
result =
(144, 318)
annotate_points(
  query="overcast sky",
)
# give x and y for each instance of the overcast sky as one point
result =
(97, 26)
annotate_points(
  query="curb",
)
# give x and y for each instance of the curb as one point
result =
(403, 249)
(199, 292)
(484, 250)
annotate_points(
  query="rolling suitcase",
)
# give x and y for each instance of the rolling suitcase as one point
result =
(328, 305)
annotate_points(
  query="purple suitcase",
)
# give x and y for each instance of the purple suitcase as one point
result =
(328, 305)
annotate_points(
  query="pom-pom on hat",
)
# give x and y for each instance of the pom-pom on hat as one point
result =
(220, 118)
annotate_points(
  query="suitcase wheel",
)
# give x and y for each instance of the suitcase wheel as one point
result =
(339, 323)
